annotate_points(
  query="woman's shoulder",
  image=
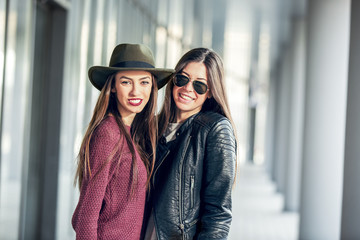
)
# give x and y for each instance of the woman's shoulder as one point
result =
(210, 119)
(218, 128)
(108, 128)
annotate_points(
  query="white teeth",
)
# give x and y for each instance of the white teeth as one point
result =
(185, 97)
(135, 101)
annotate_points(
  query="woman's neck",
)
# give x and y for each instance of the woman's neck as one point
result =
(182, 116)
(126, 120)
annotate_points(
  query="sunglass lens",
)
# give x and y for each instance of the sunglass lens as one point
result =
(200, 87)
(181, 80)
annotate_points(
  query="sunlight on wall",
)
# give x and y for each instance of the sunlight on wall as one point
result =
(261, 94)
(237, 65)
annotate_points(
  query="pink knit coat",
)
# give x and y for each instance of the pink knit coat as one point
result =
(105, 209)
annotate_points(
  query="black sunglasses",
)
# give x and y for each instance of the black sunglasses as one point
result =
(199, 87)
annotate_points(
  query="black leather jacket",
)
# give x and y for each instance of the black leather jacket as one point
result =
(192, 184)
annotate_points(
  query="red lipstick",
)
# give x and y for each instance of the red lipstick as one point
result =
(135, 101)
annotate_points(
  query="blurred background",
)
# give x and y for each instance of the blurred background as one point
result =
(292, 76)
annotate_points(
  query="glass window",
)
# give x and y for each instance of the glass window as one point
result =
(17, 60)
(74, 107)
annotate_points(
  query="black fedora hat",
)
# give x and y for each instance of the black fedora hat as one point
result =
(129, 57)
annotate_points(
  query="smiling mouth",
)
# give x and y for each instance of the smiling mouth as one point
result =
(135, 102)
(185, 97)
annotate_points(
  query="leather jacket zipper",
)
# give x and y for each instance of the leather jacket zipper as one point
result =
(182, 231)
(192, 186)
(162, 160)
(180, 189)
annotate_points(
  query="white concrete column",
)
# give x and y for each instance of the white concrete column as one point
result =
(218, 16)
(324, 124)
(281, 143)
(281, 40)
(350, 226)
(253, 86)
(271, 122)
(296, 111)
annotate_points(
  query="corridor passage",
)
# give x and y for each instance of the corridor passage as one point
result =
(257, 209)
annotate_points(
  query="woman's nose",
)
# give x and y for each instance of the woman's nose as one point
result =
(189, 86)
(135, 89)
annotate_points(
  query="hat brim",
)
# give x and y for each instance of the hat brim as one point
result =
(99, 74)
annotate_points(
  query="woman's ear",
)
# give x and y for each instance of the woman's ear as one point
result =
(209, 95)
(113, 90)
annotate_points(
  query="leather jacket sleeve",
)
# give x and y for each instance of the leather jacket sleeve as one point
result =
(219, 173)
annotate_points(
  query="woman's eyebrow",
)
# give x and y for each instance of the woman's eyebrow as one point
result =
(129, 78)
(185, 73)
(125, 77)
(196, 78)
(146, 77)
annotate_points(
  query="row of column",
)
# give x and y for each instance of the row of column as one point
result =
(315, 120)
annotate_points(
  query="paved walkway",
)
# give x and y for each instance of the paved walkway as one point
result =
(257, 209)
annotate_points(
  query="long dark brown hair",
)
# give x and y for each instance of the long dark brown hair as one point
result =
(218, 101)
(143, 133)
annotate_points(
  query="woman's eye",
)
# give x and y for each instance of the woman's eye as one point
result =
(145, 82)
(125, 82)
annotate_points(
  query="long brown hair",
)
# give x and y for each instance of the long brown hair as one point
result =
(215, 78)
(143, 133)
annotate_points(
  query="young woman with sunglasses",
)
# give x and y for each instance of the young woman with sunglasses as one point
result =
(115, 158)
(196, 154)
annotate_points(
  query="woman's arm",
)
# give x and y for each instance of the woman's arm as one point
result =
(218, 179)
(92, 194)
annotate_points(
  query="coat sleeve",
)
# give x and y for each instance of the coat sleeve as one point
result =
(218, 179)
(92, 193)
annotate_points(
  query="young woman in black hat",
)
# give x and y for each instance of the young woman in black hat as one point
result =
(116, 157)
(196, 154)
